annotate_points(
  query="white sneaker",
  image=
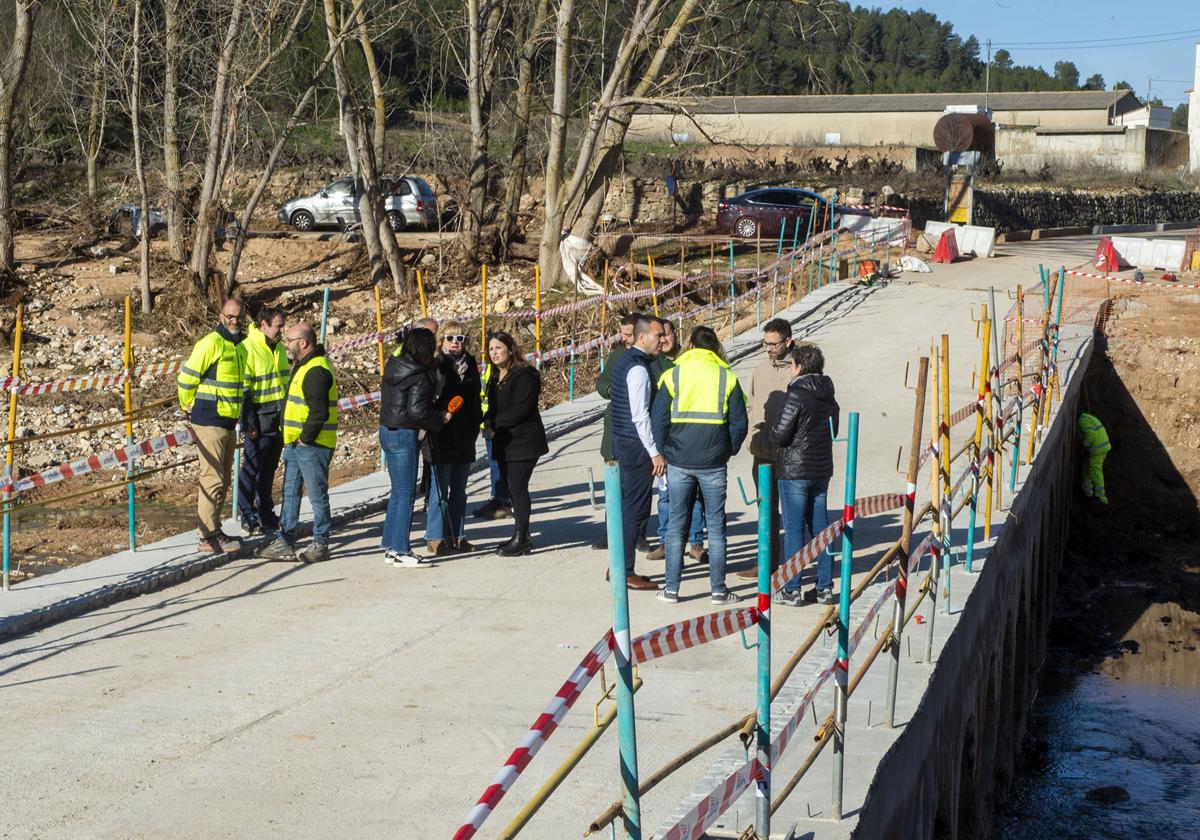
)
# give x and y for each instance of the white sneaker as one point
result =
(407, 560)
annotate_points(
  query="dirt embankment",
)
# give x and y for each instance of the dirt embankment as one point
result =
(1136, 556)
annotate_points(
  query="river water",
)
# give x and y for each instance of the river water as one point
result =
(1116, 750)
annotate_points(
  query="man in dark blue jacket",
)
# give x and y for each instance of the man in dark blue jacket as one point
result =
(630, 394)
(700, 421)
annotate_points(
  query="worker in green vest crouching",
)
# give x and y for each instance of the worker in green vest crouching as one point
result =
(310, 421)
(1096, 447)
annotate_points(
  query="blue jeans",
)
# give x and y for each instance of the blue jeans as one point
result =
(499, 487)
(449, 480)
(682, 484)
(402, 453)
(305, 467)
(695, 533)
(805, 509)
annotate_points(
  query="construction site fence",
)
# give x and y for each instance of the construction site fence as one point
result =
(1003, 424)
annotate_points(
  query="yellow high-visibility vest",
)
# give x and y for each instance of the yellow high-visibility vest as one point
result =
(295, 410)
(700, 384)
(266, 369)
(1095, 437)
(223, 385)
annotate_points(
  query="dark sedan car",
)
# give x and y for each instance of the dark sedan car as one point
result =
(764, 212)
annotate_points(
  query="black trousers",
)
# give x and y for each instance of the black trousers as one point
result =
(637, 491)
(260, 460)
(516, 475)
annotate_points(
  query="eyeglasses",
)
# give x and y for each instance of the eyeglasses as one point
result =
(773, 343)
(455, 339)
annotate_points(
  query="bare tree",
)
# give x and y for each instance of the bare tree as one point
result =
(11, 72)
(483, 35)
(281, 140)
(383, 252)
(139, 165)
(95, 28)
(548, 256)
(206, 218)
(176, 206)
(638, 65)
(533, 17)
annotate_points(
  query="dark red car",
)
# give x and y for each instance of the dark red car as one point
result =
(764, 212)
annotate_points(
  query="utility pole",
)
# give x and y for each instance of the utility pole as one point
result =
(987, 75)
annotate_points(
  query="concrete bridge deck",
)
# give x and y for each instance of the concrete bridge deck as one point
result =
(353, 699)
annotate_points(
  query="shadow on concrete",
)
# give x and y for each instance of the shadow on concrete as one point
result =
(125, 622)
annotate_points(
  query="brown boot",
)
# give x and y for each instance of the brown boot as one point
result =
(437, 548)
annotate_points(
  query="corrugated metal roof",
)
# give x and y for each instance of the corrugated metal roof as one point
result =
(1066, 100)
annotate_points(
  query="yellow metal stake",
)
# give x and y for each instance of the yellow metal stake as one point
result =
(537, 314)
(653, 286)
(12, 433)
(483, 307)
(129, 419)
(379, 321)
(421, 292)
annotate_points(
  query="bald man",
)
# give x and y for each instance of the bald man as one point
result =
(211, 385)
(310, 422)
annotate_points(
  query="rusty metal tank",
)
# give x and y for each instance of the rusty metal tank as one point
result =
(964, 133)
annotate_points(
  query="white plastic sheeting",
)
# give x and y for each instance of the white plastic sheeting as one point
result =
(574, 250)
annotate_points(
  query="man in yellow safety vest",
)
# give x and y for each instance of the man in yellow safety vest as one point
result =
(1096, 447)
(211, 384)
(310, 422)
(266, 374)
(699, 421)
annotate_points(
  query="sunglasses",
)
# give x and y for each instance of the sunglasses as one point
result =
(455, 339)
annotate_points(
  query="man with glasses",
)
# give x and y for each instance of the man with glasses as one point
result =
(310, 422)
(211, 384)
(637, 455)
(768, 387)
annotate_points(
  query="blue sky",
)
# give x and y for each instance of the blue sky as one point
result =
(1163, 53)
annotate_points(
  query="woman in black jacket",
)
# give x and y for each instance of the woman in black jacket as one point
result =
(514, 425)
(406, 414)
(801, 427)
(453, 448)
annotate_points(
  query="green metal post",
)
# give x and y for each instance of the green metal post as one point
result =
(627, 734)
(842, 668)
(762, 727)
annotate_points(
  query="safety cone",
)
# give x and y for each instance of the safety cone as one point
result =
(1106, 258)
(947, 248)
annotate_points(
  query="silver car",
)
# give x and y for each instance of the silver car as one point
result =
(409, 202)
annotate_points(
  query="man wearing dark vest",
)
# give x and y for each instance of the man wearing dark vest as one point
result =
(633, 439)
(310, 421)
(604, 389)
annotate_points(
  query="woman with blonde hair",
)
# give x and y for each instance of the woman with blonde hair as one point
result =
(452, 450)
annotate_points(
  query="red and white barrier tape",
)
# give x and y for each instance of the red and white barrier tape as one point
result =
(86, 383)
(692, 826)
(101, 461)
(1133, 282)
(692, 633)
(541, 730)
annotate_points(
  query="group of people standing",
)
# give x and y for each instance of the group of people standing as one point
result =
(436, 400)
(675, 418)
(282, 391)
(674, 421)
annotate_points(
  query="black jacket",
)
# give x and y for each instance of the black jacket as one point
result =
(800, 428)
(409, 391)
(455, 443)
(514, 417)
